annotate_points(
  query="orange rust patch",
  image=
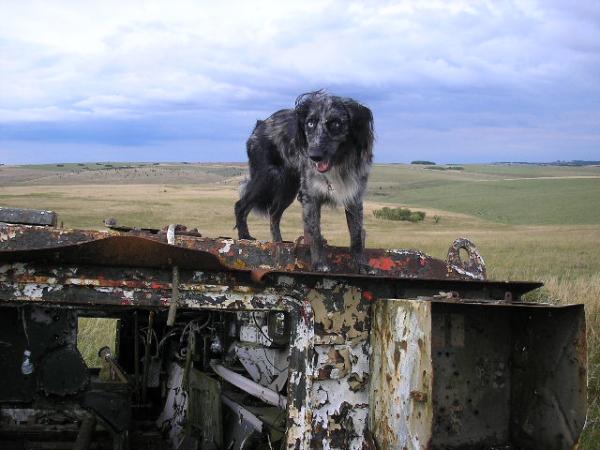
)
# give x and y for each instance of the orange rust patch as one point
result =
(368, 296)
(382, 263)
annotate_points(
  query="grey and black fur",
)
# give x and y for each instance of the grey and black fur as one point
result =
(320, 151)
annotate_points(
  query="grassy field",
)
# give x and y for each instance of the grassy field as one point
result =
(529, 222)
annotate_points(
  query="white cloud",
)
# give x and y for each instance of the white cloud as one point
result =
(59, 52)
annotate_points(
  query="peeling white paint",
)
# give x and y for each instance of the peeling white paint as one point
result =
(401, 252)
(460, 270)
(227, 246)
(327, 283)
(284, 280)
(172, 419)
(401, 367)
(33, 291)
(82, 281)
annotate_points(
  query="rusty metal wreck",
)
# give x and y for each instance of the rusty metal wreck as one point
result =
(259, 352)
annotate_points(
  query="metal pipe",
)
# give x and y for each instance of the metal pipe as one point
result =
(174, 297)
(136, 355)
(174, 282)
(106, 354)
(243, 413)
(147, 356)
(245, 384)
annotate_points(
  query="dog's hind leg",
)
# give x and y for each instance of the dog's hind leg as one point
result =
(275, 216)
(242, 208)
(285, 192)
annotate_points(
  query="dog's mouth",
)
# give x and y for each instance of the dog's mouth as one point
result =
(322, 166)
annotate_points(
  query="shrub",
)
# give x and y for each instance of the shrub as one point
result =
(416, 216)
(435, 168)
(424, 163)
(455, 168)
(436, 219)
(399, 214)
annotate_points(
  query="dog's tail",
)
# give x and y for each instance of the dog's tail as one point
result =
(243, 187)
(261, 205)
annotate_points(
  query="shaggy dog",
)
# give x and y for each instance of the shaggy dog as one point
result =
(320, 151)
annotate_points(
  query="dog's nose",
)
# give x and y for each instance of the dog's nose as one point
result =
(316, 158)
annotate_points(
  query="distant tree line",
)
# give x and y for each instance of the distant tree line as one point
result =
(572, 163)
(445, 168)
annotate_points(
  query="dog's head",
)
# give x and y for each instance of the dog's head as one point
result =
(330, 127)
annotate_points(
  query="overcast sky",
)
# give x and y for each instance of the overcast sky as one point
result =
(450, 81)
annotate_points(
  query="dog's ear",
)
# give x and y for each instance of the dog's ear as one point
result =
(305, 101)
(302, 107)
(361, 127)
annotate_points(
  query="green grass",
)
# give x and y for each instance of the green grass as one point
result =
(528, 170)
(93, 334)
(522, 201)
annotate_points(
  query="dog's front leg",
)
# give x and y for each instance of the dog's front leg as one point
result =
(354, 219)
(311, 214)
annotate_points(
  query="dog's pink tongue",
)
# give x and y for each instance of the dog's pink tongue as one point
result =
(323, 166)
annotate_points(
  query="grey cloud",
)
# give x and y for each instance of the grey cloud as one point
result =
(203, 71)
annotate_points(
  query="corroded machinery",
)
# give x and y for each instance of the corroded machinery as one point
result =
(227, 344)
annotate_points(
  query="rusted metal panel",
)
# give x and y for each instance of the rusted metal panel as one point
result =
(449, 375)
(472, 371)
(28, 216)
(549, 366)
(27, 237)
(300, 381)
(400, 392)
(339, 392)
(341, 313)
(414, 273)
(127, 251)
(508, 375)
(283, 256)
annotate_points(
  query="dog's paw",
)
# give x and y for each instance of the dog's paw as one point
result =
(362, 267)
(320, 267)
(246, 236)
(365, 269)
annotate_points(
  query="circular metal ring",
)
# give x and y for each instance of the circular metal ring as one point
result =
(473, 267)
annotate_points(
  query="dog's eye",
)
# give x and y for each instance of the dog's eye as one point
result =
(334, 125)
(310, 124)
